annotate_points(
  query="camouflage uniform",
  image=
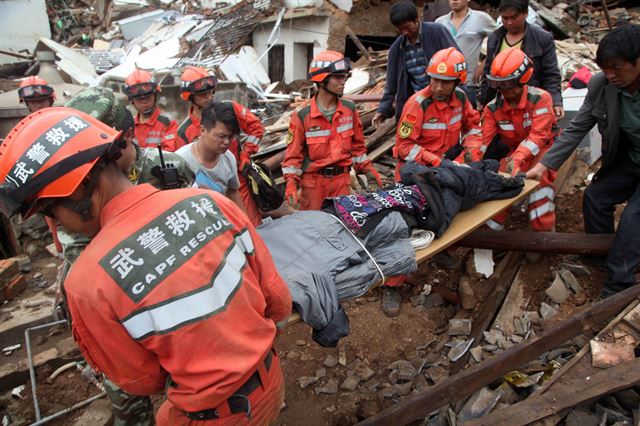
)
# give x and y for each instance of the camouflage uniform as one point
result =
(101, 103)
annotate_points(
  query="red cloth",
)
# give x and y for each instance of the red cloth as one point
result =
(581, 78)
(200, 309)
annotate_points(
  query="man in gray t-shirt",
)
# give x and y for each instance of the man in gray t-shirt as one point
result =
(468, 28)
(208, 157)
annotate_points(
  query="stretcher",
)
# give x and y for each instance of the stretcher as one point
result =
(462, 225)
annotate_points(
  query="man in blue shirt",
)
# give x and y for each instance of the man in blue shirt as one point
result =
(409, 56)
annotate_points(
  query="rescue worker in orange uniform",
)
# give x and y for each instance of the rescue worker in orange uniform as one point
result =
(152, 126)
(198, 86)
(522, 117)
(325, 139)
(36, 93)
(438, 121)
(183, 296)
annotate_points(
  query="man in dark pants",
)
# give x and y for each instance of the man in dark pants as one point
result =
(613, 103)
(409, 57)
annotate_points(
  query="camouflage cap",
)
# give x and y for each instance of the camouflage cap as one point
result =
(101, 103)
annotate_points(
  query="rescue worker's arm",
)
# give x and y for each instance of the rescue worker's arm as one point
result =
(170, 141)
(293, 158)
(541, 132)
(489, 128)
(407, 136)
(471, 135)
(361, 163)
(109, 349)
(234, 195)
(250, 125)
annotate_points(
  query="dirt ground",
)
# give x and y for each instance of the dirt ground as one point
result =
(418, 335)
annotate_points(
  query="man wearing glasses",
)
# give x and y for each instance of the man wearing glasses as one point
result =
(152, 126)
(209, 157)
(199, 86)
(325, 139)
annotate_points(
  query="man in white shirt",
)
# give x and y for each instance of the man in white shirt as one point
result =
(208, 155)
(468, 28)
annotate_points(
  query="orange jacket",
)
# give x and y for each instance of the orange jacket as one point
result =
(159, 129)
(189, 129)
(428, 128)
(527, 129)
(314, 140)
(251, 126)
(176, 286)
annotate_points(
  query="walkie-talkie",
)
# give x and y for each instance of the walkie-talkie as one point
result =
(168, 173)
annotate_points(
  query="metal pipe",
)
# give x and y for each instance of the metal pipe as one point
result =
(70, 409)
(32, 371)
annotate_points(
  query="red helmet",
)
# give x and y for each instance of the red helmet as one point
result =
(34, 87)
(140, 83)
(327, 63)
(48, 155)
(196, 80)
(510, 67)
(448, 64)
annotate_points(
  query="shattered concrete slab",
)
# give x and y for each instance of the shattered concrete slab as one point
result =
(607, 354)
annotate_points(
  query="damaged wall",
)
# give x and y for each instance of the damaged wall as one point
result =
(299, 36)
(19, 34)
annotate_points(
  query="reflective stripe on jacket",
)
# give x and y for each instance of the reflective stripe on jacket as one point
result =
(176, 288)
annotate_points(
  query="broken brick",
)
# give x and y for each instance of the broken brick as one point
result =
(14, 287)
(8, 269)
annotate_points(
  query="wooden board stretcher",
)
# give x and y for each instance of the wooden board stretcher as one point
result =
(462, 225)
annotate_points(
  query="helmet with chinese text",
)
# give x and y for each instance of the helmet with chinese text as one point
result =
(48, 155)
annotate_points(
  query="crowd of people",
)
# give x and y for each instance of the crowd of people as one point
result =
(171, 289)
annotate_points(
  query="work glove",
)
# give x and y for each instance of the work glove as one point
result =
(372, 174)
(291, 193)
(514, 163)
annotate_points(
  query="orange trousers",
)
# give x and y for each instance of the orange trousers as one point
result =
(540, 203)
(266, 402)
(316, 187)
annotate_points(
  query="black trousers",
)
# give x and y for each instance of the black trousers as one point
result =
(600, 198)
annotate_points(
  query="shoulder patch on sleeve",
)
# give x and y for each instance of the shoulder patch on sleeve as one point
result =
(292, 129)
(405, 129)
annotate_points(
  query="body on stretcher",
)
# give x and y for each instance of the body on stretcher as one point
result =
(461, 226)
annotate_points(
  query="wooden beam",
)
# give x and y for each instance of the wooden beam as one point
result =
(476, 377)
(506, 273)
(545, 242)
(582, 389)
(365, 97)
(358, 43)
(380, 133)
(584, 351)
